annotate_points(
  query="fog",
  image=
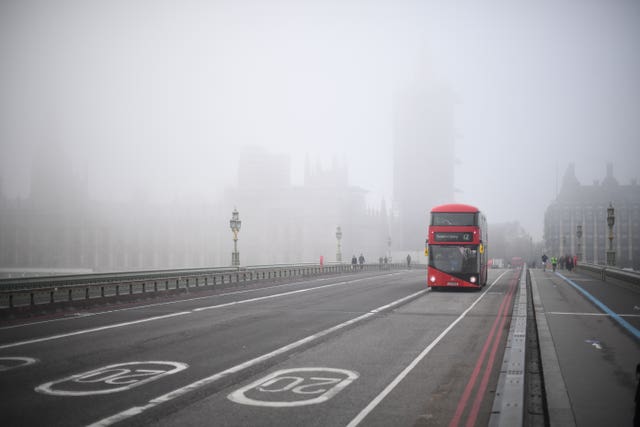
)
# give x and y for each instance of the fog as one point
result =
(157, 100)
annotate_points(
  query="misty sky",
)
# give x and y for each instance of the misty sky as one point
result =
(158, 97)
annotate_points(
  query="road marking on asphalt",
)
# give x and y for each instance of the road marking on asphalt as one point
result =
(8, 363)
(136, 410)
(594, 343)
(603, 307)
(87, 331)
(181, 313)
(111, 379)
(294, 387)
(160, 304)
(392, 385)
(566, 313)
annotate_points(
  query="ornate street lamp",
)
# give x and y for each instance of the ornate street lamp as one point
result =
(235, 224)
(339, 237)
(611, 219)
(579, 237)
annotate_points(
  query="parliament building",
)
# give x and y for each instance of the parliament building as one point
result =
(586, 205)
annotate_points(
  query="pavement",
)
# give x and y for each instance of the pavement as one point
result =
(588, 333)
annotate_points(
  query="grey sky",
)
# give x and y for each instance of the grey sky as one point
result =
(163, 94)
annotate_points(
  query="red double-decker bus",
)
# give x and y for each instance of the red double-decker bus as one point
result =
(456, 246)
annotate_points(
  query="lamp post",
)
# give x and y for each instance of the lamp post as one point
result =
(579, 237)
(389, 244)
(611, 219)
(235, 224)
(339, 237)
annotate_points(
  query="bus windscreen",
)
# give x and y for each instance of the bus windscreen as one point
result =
(454, 259)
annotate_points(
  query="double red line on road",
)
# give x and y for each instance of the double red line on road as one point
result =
(493, 339)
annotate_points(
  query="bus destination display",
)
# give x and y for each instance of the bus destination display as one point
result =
(449, 236)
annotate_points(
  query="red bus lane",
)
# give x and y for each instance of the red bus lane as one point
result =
(492, 342)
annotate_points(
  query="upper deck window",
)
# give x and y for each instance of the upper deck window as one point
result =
(454, 218)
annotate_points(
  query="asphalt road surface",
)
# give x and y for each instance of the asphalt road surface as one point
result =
(371, 349)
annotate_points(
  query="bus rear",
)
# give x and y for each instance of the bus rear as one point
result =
(456, 247)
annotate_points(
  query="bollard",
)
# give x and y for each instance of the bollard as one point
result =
(86, 293)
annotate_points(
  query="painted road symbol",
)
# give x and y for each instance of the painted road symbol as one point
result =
(294, 387)
(111, 379)
(594, 343)
(7, 363)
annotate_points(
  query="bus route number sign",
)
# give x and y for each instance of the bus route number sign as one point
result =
(453, 237)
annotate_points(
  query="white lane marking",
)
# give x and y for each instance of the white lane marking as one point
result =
(594, 343)
(87, 331)
(299, 385)
(564, 313)
(111, 379)
(136, 410)
(150, 319)
(8, 363)
(392, 385)
(160, 304)
(299, 291)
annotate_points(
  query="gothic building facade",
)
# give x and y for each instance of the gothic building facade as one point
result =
(59, 227)
(586, 205)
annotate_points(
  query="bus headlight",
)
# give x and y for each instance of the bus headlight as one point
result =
(473, 279)
(433, 279)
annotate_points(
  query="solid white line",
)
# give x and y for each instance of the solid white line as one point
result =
(160, 304)
(564, 313)
(299, 291)
(149, 319)
(392, 385)
(136, 410)
(87, 331)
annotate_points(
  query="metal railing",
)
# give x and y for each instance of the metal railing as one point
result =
(37, 292)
